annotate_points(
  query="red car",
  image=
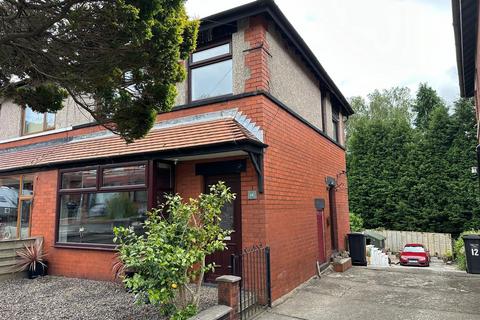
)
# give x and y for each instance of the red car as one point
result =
(414, 254)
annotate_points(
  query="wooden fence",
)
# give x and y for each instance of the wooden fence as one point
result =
(437, 243)
(8, 254)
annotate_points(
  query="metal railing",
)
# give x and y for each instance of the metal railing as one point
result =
(253, 266)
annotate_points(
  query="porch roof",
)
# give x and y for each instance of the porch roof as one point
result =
(218, 135)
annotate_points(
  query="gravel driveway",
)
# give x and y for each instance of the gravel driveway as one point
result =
(66, 298)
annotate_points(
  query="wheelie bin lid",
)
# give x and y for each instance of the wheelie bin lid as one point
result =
(356, 234)
(471, 237)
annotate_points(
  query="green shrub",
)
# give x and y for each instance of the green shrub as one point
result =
(459, 249)
(356, 222)
(448, 256)
(171, 253)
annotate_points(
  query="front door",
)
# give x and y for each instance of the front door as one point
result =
(231, 219)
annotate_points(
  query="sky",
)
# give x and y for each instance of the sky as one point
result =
(371, 44)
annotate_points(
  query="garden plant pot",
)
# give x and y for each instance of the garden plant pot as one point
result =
(40, 271)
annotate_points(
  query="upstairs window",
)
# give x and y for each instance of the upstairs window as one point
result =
(336, 125)
(211, 72)
(34, 122)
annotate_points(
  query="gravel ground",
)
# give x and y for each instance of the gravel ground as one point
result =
(67, 298)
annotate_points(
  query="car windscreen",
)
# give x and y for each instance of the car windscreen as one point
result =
(413, 249)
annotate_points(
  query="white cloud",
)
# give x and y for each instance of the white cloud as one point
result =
(371, 44)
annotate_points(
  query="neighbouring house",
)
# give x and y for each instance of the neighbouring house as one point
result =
(467, 40)
(257, 111)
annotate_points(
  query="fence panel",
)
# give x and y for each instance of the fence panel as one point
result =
(437, 243)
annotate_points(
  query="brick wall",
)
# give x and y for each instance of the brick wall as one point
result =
(257, 58)
(297, 162)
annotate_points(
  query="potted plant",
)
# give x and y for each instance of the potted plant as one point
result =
(32, 259)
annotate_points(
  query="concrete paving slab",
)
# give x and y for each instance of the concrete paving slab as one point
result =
(363, 293)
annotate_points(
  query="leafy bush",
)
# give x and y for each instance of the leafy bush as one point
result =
(459, 249)
(356, 222)
(448, 256)
(171, 253)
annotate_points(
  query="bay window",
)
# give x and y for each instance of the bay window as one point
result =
(92, 201)
(211, 72)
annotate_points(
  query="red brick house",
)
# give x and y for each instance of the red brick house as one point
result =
(257, 111)
(467, 40)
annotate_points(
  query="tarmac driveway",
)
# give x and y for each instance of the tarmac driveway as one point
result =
(362, 293)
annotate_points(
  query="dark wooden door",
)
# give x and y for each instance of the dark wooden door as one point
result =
(321, 237)
(231, 219)
(333, 218)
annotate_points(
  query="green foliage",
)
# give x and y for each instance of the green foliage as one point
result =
(356, 222)
(404, 176)
(45, 97)
(459, 250)
(427, 101)
(119, 60)
(172, 250)
(185, 313)
(448, 256)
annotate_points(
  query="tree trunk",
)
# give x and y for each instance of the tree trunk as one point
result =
(196, 297)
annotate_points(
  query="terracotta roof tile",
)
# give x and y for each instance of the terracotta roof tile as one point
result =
(171, 138)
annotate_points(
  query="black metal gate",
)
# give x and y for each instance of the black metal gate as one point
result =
(253, 266)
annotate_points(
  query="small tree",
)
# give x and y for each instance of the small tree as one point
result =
(171, 253)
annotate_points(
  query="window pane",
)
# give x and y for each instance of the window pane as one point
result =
(50, 121)
(33, 121)
(90, 218)
(25, 218)
(164, 176)
(211, 53)
(335, 115)
(336, 131)
(124, 176)
(9, 189)
(27, 188)
(227, 222)
(163, 182)
(79, 179)
(212, 80)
